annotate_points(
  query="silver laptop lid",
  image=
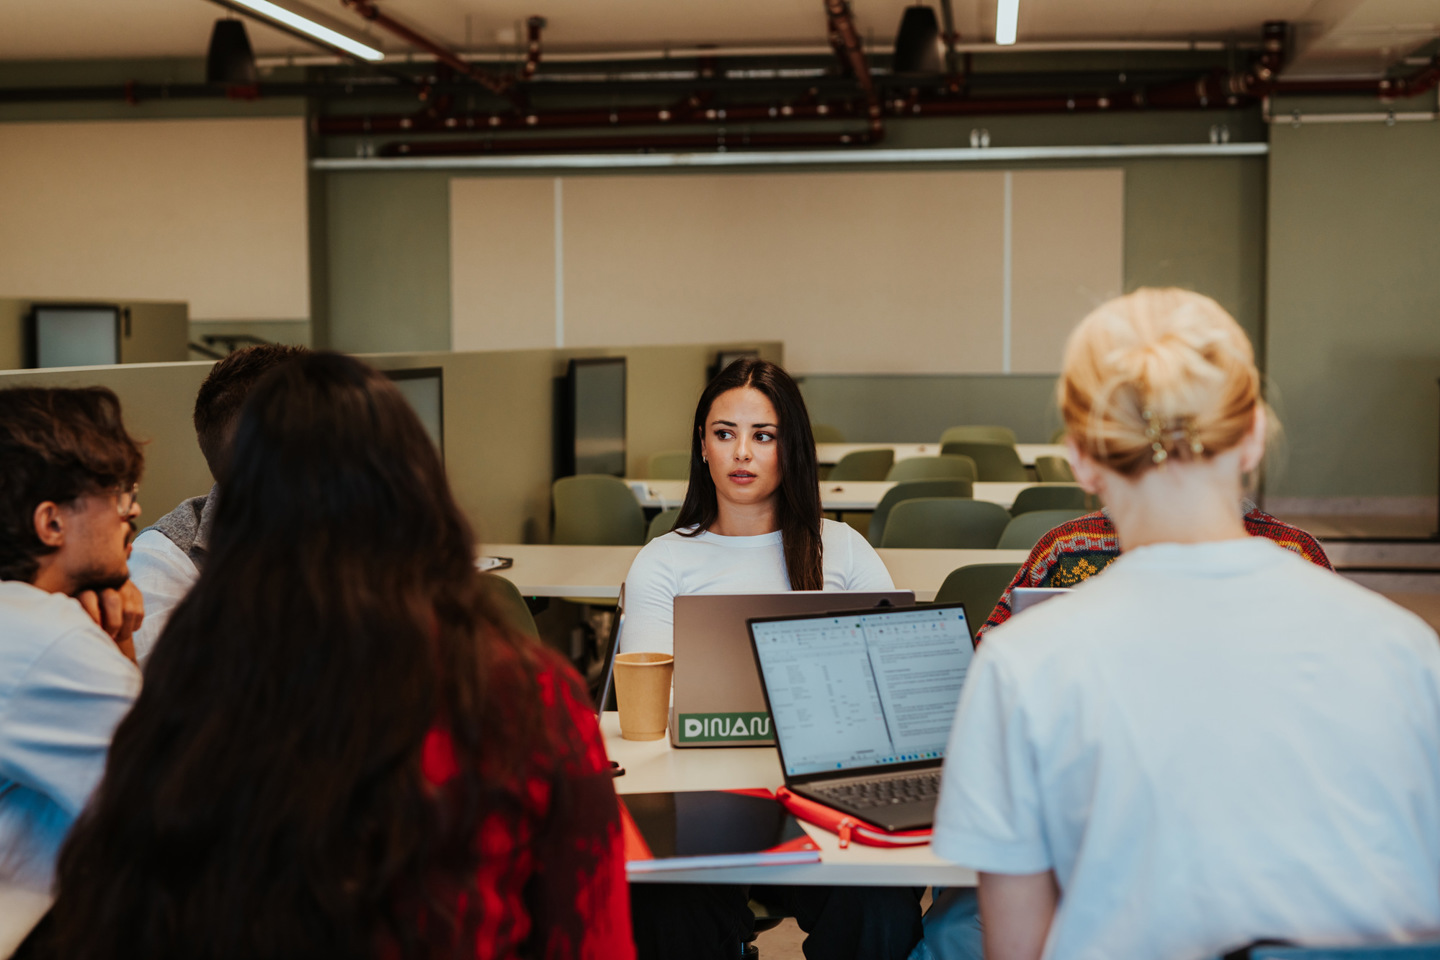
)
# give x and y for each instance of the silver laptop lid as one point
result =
(718, 701)
(854, 692)
(1023, 598)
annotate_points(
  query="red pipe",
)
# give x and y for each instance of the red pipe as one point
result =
(699, 141)
(846, 41)
(371, 12)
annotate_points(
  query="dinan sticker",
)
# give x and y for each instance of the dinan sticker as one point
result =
(719, 727)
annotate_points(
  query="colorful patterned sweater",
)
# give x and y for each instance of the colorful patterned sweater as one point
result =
(1081, 548)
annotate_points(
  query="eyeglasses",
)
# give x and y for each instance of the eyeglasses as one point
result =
(125, 500)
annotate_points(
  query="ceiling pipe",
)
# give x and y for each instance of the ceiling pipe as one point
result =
(504, 86)
(698, 141)
(846, 41)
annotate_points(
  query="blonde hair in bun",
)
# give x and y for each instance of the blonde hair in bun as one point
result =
(1155, 376)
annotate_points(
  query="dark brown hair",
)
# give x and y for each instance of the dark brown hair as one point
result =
(265, 796)
(224, 390)
(798, 506)
(56, 445)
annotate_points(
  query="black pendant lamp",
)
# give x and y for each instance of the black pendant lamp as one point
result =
(918, 47)
(230, 59)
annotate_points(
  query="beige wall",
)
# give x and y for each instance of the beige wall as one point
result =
(498, 409)
(212, 212)
(858, 272)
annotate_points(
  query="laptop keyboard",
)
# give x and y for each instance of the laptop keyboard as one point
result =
(869, 794)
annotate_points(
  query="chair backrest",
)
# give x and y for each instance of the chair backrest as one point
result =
(911, 490)
(1052, 496)
(978, 432)
(596, 509)
(1059, 435)
(1054, 470)
(510, 604)
(979, 586)
(824, 433)
(993, 461)
(945, 523)
(864, 465)
(1429, 950)
(950, 467)
(662, 523)
(1025, 531)
(670, 465)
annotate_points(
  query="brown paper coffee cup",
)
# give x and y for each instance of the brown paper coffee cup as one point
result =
(642, 692)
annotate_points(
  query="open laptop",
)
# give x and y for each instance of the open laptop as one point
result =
(717, 697)
(863, 703)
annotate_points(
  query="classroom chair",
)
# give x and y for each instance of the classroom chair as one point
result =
(993, 461)
(934, 468)
(863, 465)
(945, 523)
(1052, 496)
(596, 509)
(979, 586)
(1053, 470)
(509, 604)
(981, 433)
(1429, 950)
(1023, 532)
(1059, 435)
(670, 465)
(824, 433)
(662, 523)
(912, 490)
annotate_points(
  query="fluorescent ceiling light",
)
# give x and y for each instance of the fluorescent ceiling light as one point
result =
(302, 24)
(1007, 17)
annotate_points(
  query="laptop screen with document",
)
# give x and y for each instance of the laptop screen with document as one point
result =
(864, 689)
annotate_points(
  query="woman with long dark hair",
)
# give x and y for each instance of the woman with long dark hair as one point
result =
(339, 751)
(751, 522)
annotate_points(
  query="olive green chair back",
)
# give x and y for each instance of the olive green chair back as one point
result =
(993, 461)
(508, 602)
(864, 465)
(1059, 435)
(824, 433)
(979, 586)
(978, 432)
(945, 523)
(1054, 470)
(1025, 530)
(596, 509)
(1052, 496)
(933, 468)
(662, 523)
(670, 465)
(911, 490)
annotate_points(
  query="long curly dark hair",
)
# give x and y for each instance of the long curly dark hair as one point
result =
(265, 797)
(798, 507)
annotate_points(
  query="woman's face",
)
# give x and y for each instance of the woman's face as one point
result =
(741, 444)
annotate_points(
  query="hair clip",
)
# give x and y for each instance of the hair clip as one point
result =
(1153, 433)
(1193, 435)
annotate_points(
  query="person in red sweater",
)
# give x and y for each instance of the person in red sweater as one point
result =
(1080, 548)
(340, 751)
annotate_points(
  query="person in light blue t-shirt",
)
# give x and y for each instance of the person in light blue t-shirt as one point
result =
(1214, 741)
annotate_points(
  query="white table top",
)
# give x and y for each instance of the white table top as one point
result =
(845, 495)
(830, 453)
(542, 570)
(654, 766)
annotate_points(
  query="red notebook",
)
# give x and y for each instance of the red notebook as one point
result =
(710, 828)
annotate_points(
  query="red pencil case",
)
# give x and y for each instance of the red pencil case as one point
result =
(848, 828)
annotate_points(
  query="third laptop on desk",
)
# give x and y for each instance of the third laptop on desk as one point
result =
(717, 697)
(862, 705)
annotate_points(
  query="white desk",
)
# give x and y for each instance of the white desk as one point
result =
(846, 495)
(541, 570)
(831, 453)
(654, 767)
